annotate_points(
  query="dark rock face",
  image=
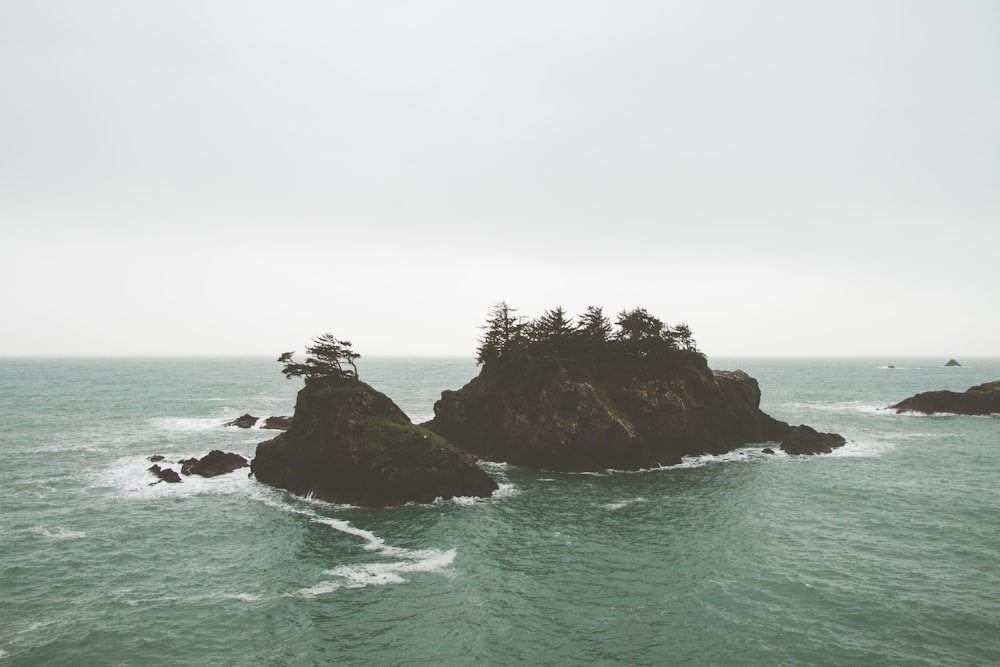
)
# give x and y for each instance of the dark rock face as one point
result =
(243, 421)
(983, 399)
(806, 440)
(214, 463)
(349, 443)
(952, 362)
(767, 450)
(553, 419)
(168, 475)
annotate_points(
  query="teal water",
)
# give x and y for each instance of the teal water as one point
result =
(884, 553)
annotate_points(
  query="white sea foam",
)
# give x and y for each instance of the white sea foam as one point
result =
(322, 588)
(59, 533)
(130, 477)
(613, 507)
(187, 423)
(368, 574)
(862, 449)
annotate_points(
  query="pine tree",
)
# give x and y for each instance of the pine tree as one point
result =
(503, 333)
(326, 359)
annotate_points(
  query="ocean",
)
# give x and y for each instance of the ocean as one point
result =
(886, 552)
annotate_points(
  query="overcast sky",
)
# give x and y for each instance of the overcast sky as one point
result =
(787, 178)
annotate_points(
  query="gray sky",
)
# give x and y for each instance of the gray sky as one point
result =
(802, 178)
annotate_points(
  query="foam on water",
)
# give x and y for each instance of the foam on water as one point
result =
(187, 423)
(862, 449)
(612, 507)
(130, 478)
(58, 533)
(368, 574)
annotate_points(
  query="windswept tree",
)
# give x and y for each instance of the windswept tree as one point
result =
(328, 357)
(502, 333)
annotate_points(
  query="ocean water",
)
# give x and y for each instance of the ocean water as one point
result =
(886, 552)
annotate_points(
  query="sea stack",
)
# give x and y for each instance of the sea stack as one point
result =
(952, 362)
(590, 399)
(348, 443)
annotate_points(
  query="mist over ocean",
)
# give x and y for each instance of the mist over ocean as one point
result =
(886, 552)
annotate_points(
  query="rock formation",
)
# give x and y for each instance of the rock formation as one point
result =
(349, 443)
(635, 415)
(243, 421)
(168, 475)
(247, 420)
(277, 423)
(214, 463)
(806, 440)
(952, 362)
(983, 399)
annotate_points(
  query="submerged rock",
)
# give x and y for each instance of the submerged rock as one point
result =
(349, 443)
(633, 416)
(982, 399)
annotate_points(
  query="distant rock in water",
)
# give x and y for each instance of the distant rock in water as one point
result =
(983, 399)
(349, 443)
(243, 421)
(952, 362)
(631, 415)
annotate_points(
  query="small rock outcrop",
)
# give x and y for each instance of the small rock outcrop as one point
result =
(168, 475)
(952, 362)
(635, 415)
(804, 439)
(277, 423)
(349, 443)
(280, 423)
(243, 421)
(215, 463)
(982, 399)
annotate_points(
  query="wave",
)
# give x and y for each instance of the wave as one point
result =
(613, 507)
(57, 534)
(187, 423)
(368, 574)
(862, 449)
(130, 478)
(938, 415)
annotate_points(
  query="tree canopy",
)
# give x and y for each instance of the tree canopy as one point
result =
(637, 335)
(328, 357)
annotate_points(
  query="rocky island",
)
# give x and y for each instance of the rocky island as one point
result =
(982, 399)
(589, 397)
(349, 443)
